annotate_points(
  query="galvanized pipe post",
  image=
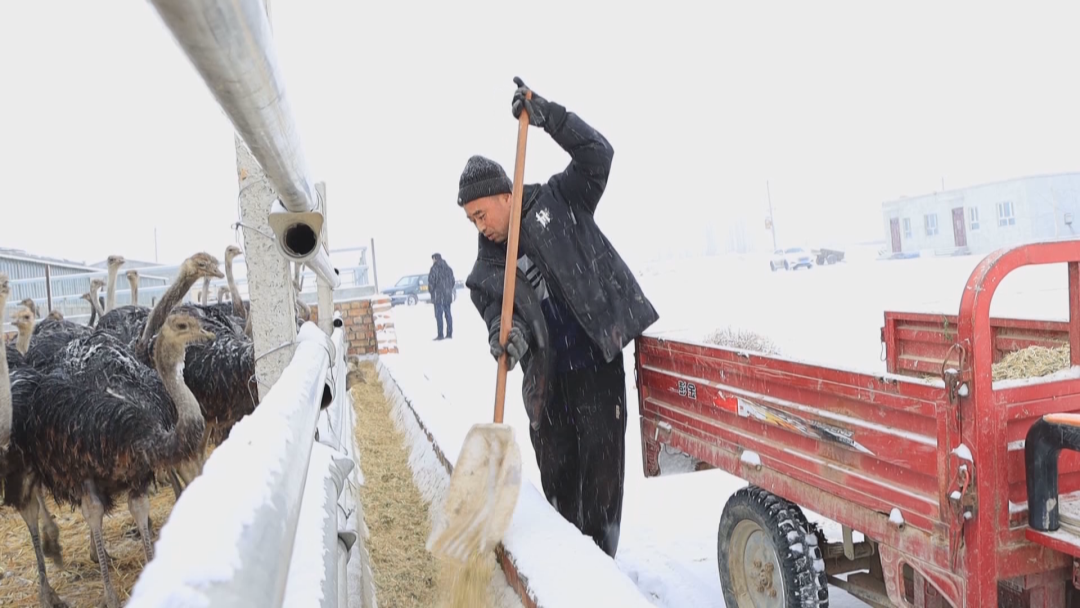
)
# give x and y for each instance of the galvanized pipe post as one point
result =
(48, 289)
(374, 272)
(326, 291)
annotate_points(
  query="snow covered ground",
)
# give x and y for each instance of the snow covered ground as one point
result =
(828, 315)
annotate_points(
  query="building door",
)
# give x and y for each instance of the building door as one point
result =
(894, 227)
(958, 228)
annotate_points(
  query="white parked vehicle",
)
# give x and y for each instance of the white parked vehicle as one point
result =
(791, 259)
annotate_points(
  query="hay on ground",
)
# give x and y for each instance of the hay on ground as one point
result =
(1032, 362)
(742, 339)
(396, 516)
(78, 582)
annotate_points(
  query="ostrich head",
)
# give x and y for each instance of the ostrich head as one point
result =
(132, 276)
(180, 329)
(116, 261)
(200, 266)
(96, 285)
(56, 315)
(231, 252)
(23, 320)
(222, 292)
(29, 303)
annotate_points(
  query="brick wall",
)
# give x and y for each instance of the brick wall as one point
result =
(368, 325)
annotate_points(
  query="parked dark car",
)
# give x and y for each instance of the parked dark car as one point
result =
(412, 289)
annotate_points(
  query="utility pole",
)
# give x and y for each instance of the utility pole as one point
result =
(270, 289)
(772, 221)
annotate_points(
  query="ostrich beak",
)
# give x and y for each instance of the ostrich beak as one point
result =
(217, 274)
(207, 335)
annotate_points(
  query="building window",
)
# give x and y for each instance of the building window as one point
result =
(973, 218)
(1006, 215)
(907, 227)
(930, 221)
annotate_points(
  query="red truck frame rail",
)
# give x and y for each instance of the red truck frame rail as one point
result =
(926, 461)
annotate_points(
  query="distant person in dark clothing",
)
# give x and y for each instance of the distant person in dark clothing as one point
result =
(576, 306)
(441, 285)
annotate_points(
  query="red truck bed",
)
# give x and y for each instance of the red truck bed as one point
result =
(932, 472)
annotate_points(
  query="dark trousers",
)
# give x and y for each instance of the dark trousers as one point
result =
(581, 449)
(442, 309)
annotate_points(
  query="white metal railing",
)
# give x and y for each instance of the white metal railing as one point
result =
(230, 46)
(267, 524)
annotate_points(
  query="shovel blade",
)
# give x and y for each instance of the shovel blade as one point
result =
(483, 493)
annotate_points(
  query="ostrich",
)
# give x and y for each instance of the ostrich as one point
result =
(103, 424)
(221, 293)
(96, 312)
(23, 320)
(114, 263)
(50, 336)
(17, 387)
(220, 374)
(204, 296)
(133, 286)
(240, 307)
(29, 303)
(129, 323)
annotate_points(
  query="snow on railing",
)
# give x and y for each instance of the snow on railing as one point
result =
(267, 523)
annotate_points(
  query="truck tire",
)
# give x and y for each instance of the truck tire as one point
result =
(768, 555)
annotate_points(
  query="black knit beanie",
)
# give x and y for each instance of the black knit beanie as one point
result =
(482, 177)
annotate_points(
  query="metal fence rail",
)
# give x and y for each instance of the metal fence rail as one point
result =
(230, 46)
(265, 524)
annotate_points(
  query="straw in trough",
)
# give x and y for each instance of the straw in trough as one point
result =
(395, 514)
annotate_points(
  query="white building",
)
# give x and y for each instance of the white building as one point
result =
(983, 218)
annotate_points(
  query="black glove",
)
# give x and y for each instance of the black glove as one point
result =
(537, 107)
(516, 345)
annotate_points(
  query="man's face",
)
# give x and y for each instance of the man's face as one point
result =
(491, 216)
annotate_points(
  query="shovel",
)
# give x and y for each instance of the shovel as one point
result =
(486, 481)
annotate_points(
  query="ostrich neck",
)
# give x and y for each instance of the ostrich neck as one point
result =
(169, 361)
(206, 292)
(22, 344)
(170, 298)
(110, 295)
(96, 303)
(238, 304)
(5, 394)
(134, 292)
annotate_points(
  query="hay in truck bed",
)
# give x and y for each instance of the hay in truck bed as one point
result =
(931, 471)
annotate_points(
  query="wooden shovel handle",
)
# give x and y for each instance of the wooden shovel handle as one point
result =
(510, 278)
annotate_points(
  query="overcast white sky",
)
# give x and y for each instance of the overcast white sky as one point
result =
(107, 133)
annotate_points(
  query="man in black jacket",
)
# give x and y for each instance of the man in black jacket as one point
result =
(590, 308)
(441, 285)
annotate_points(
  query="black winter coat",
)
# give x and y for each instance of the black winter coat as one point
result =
(486, 285)
(560, 236)
(441, 282)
